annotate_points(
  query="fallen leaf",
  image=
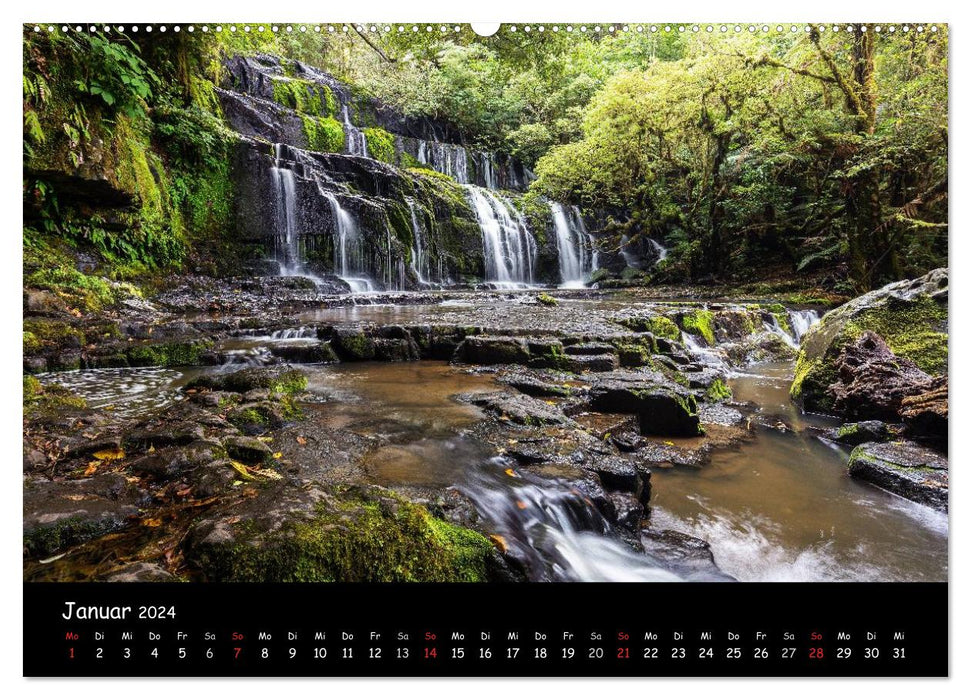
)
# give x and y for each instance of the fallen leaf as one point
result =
(512, 473)
(301, 440)
(521, 505)
(152, 522)
(277, 455)
(110, 454)
(92, 468)
(243, 471)
(500, 542)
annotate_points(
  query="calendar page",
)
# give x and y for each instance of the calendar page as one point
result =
(549, 349)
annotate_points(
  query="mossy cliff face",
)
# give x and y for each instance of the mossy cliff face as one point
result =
(347, 534)
(911, 316)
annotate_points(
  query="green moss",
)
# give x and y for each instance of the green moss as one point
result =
(47, 265)
(175, 354)
(911, 329)
(44, 335)
(699, 323)
(324, 134)
(305, 96)
(718, 391)
(380, 144)
(546, 300)
(357, 536)
(290, 383)
(847, 430)
(50, 398)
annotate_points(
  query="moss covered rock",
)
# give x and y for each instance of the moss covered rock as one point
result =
(911, 316)
(340, 534)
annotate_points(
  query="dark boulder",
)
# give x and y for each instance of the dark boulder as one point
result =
(858, 433)
(872, 381)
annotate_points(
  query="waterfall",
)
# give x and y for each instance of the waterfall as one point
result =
(447, 159)
(419, 259)
(488, 173)
(662, 252)
(710, 357)
(630, 258)
(285, 235)
(356, 143)
(508, 247)
(801, 321)
(347, 248)
(578, 256)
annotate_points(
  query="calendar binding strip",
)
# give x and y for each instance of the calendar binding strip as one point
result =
(578, 29)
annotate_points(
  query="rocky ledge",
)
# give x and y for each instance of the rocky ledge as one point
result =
(903, 468)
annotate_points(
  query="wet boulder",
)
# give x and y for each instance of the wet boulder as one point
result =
(689, 557)
(628, 510)
(282, 379)
(308, 352)
(355, 534)
(662, 407)
(904, 468)
(535, 386)
(858, 433)
(910, 316)
(925, 414)
(353, 345)
(872, 381)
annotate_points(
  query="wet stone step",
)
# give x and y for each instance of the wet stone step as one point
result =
(590, 349)
(592, 363)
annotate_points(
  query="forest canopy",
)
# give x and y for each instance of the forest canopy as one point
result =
(811, 150)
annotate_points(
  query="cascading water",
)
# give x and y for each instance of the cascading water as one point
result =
(488, 172)
(802, 321)
(419, 257)
(558, 534)
(578, 256)
(347, 247)
(509, 248)
(446, 158)
(660, 250)
(356, 143)
(285, 237)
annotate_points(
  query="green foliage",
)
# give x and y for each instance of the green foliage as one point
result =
(115, 74)
(380, 144)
